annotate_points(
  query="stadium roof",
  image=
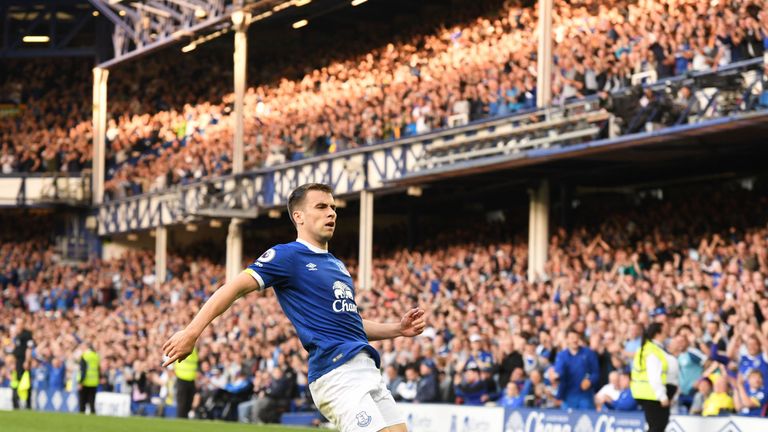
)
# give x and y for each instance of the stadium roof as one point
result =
(100, 28)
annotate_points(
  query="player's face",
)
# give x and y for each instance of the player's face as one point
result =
(317, 218)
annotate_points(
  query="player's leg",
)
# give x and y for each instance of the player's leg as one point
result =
(393, 418)
(360, 416)
(350, 411)
(400, 427)
(343, 396)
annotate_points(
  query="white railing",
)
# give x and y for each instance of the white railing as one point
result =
(36, 189)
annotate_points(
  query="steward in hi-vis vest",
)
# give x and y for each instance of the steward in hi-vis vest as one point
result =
(186, 373)
(89, 379)
(649, 377)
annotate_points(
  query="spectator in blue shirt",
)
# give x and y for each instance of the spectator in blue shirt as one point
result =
(478, 355)
(39, 374)
(633, 344)
(625, 401)
(578, 371)
(427, 389)
(753, 358)
(683, 55)
(57, 375)
(512, 397)
(239, 385)
(749, 394)
(471, 389)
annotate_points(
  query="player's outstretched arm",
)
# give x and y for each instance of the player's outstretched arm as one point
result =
(180, 345)
(412, 324)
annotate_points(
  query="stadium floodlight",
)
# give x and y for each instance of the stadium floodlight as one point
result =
(238, 18)
(95, 13)
(300, 24)
(358, 2)
(261, 16)
(282, 6)
(203, 39)
(414, 191)
(36, 39)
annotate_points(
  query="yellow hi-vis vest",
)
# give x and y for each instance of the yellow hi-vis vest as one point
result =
(187, 369)
(14, 380)
(91, 369)
(639, 384)
(25, 383)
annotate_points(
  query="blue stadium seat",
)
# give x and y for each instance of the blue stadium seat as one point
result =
(170, 411)
(764, 99)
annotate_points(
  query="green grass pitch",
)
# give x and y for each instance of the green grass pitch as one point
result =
(35, 421)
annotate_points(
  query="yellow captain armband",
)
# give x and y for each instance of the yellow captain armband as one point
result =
(256, 276)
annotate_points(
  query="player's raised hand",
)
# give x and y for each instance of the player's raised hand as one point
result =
(413, 323)
(179, 346)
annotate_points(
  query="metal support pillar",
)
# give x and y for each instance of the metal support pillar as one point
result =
(538, 231)
(241, 20)
(234, 248)
(99, 132)
(161, 254)
(365, 265)
(544, 56)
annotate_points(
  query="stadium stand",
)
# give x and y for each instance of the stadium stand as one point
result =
(493, 336)
(50, 132)
(483, 68)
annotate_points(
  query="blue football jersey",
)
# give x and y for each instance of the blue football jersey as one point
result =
(758, 396)
(317, 295)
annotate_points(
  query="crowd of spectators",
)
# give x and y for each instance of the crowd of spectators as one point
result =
(483, 67)
(493, 337)
(50, 132)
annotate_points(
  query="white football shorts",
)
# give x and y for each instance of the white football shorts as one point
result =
(354, 397)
